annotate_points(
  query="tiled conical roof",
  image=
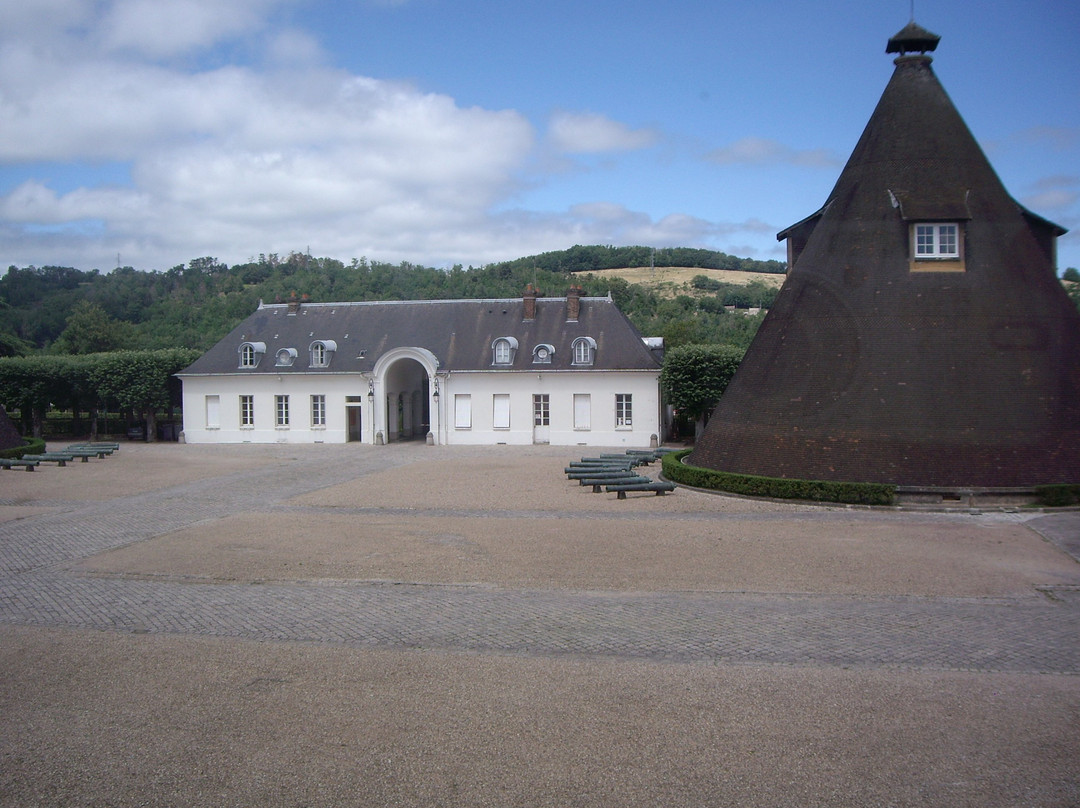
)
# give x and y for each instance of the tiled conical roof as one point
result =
(874, 367)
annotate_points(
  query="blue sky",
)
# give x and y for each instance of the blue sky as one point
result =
(474, 131)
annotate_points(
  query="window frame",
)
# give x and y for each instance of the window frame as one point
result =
(548, 350)
(281, 411)
(321, 353)
(930, 234)
(503, 351)
(624, 410)
(541, 409)
(247, 412)
(584, 352)
(318, 411)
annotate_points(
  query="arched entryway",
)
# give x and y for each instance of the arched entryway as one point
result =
(405, 398)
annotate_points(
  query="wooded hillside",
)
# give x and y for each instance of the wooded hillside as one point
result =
(72, 311)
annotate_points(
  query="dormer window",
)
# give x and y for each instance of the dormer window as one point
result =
(285, 357)
(584, 351)
(937, 247)
(251, 353)
(503, 351)
(322, 351)
(936, 241)
(542, 354)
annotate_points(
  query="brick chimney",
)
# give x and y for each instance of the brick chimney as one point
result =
(529, 299)
(295, 302)
(573, 303)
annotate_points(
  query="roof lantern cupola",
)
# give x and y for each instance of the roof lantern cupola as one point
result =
(912, 38)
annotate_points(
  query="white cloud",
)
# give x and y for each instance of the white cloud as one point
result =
(762, 151)
(589, 133)
(167, 28)
(1053, 193)
(235, 161)
(1059, 138)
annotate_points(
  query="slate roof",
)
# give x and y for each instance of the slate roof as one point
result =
(864, 370)
(459, 333)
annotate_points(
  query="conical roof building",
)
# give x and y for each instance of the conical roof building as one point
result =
(922, 336)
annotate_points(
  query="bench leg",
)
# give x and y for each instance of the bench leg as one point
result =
(86, 458)
(620, 495)
(29, 468)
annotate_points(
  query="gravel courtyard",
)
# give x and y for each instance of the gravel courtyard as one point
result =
(414, 625)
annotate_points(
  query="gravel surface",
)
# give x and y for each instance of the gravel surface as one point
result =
(247, 692)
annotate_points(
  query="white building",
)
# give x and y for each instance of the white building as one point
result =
(566, 371)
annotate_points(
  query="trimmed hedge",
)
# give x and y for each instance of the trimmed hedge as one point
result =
(776, 487)
(1057, 496)
(30, 446)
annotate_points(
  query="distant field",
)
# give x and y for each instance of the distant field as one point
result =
(672, 281)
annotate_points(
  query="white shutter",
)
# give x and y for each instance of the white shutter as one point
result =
(463, 411)
(582, 411)
(213, 411)
(500, 418)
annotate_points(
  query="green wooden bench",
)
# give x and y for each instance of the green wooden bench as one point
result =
(598, 482)
(578, 474)
(597, 467)
(633, 457)
(86, 452)
(658, 486)
(58, 458)
(16, 462)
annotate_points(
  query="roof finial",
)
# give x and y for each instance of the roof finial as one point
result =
(912, 38)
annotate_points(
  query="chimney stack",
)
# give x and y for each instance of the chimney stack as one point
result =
(573, 303)
(529, 299)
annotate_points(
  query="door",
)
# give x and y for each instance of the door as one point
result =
(541, 418)
(352, 419)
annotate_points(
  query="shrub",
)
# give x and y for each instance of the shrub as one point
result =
(30, 446)
(776, 487)
(1057, 496)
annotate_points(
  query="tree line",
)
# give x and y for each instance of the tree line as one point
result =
(63, 310)
(88, 342)
(136, 383)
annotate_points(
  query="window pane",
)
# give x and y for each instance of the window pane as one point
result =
(318, 410)
(924, 239)
(281, 404)
(947, 240)
(624, 415)
(247, 411)
(502, 352)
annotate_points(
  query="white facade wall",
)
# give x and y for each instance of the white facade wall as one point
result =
(379, 421)
(561, 387)
(264, 388)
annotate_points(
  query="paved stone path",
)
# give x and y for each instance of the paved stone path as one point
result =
(1033, 633)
